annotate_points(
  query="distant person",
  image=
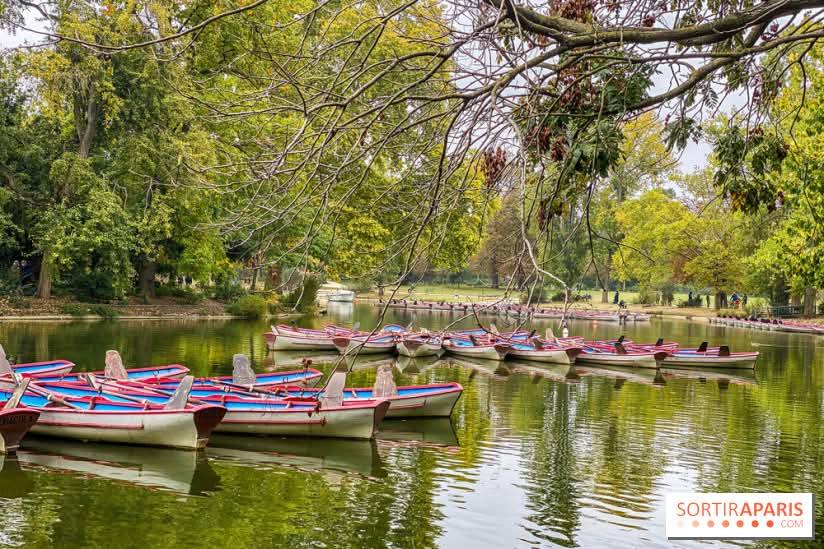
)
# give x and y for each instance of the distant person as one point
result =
(564, 329)
(744, 300)
(689, 299)
(615, 298)
(708, 301)
(734, 300)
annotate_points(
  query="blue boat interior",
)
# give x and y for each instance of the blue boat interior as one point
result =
(31, 368)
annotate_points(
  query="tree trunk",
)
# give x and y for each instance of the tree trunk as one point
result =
(605, 283)
(795, 300)
(146, 283)
(719, 300)
(44, 281)
(809, 301)
(254, 279)
(493, 273)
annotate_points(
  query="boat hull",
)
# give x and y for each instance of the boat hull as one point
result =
(552, 356)
(433, 405)
(347, 346)
(486, 352)
(712, 361)
(340, 422)
(14, 424)
(188, 429)
(290, 342)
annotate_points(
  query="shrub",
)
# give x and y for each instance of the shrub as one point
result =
(533, 297)
(184, 295)
(102, 310)
(303, 298)
(249, 306)
(228, 289)
(74, 309)
(646, 297)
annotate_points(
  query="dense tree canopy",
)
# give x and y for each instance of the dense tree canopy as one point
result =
(378, 139)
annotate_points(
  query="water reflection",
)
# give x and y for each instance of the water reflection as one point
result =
(176, 471)
(15, 482)
(534, 454)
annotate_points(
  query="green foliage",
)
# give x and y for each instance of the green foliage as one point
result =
(534, 296)
(74, 309)
(303, 298)
(96, 309)
(249, 306)
(185, 295)
(228, 288)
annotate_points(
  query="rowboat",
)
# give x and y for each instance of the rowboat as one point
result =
(97, 418)
(711, 358)
(288, 338)
(434, 400)
(539, 351)
(147, 374)
(620, 356)
(416, 345)
(47, 368)
(476, 348)
(352, 345)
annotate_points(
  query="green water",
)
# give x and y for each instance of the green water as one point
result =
(533, 456)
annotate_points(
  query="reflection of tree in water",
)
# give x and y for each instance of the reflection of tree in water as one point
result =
(543, 413)
(625, 451)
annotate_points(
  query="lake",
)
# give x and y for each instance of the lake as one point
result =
(533, 455)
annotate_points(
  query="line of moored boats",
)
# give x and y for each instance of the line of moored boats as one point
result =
(515, 311)
(492, 345)
(771, 324)
(165, 406)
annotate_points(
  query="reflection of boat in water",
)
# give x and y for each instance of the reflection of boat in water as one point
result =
(720, 375)
(436, 431)
(622, 374)
(369, 362)
(341, 455)
(561, 373)
(295, 359)
(409, 365)
(15, 482)
(162, 468)
(480, 365)
(662, 375)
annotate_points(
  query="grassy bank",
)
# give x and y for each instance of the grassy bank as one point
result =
(454, 294)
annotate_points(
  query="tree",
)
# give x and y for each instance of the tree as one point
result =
(336, 87)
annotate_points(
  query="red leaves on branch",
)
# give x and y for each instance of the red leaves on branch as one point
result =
(578, 10)
(493, 162)
(648, 20)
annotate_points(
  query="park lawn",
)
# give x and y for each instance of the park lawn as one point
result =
(453, 293)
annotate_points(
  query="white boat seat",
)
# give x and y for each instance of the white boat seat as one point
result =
(5, 367)
(384, 383)
(333, 392)
(181, 396)
(114, 366)
(242, 373)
